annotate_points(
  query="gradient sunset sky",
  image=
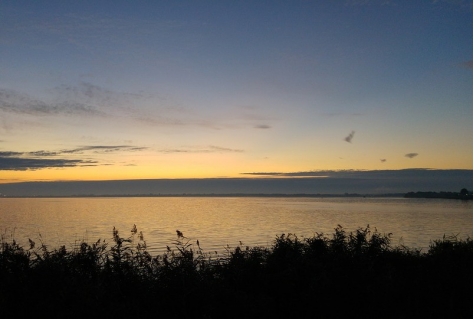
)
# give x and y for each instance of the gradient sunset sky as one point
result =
(98, 90)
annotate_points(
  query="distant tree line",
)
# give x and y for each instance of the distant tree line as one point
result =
(464, 194)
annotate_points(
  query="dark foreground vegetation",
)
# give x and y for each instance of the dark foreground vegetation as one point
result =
(345, 275)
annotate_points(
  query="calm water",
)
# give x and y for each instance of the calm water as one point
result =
(217, 222)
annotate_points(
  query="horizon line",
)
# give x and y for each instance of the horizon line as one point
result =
(249, 175)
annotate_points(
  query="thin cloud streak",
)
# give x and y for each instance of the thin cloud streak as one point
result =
(90, 100)
(208, 149)
(104, 149)
(411, 155)
(22, 164)
(94, 94)
(41, 159)
(292, 174)
(83, 99)
(10, 160)
(97, 149)
(351, 173)
(349, 137)
(20, 103)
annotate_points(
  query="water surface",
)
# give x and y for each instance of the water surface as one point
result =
(221, 221)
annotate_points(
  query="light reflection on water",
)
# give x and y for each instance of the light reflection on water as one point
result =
(219, 221)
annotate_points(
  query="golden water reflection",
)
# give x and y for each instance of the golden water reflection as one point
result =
(222, 221)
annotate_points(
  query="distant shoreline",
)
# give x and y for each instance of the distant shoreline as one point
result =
(275, 195)
(425, 195)
(442, 195)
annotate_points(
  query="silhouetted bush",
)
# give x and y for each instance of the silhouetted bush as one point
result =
(348, 274)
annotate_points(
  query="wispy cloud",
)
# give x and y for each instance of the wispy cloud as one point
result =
(41, 153)
(90, 100)
(96, 149)
(103, 149)
(349, 137)
(292, 174)
(91, 94)
(244, 116)
(207, 149)
(165, 112)
(25, 163)
(21, 103)
(224, 149)
(41, 159)
(367, 174)
(411, 155)
(7, 154)
(84, 99)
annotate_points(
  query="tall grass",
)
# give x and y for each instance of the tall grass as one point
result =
(344, 274)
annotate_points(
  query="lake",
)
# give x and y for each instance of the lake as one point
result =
(220, 221)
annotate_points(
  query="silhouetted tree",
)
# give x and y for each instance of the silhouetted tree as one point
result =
(464, 193)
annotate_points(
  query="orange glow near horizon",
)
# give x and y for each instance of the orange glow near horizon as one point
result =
(177, 170)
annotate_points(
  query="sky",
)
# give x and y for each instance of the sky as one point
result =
(118, 90)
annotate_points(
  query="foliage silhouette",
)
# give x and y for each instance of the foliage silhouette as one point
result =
(357, 274)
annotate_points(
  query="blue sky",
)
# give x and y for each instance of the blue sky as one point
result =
(99, 90)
